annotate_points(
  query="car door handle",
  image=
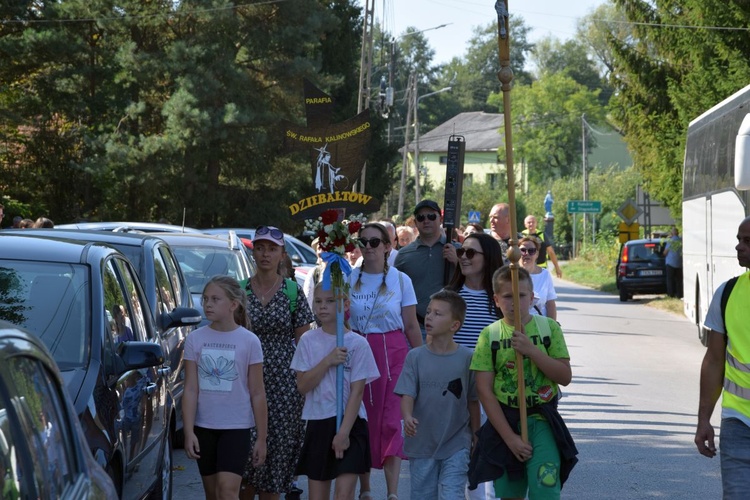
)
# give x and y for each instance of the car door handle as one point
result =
(150, 389)
(163, 372)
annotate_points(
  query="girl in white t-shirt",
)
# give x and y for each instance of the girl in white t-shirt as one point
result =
(328, 454)
(544, 289)
(384, 310)
(224, 401)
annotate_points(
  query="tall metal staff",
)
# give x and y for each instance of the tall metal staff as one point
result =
(505, 75)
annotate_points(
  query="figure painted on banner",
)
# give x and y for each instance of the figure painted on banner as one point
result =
(326, 175)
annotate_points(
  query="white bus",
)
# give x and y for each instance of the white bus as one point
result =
(716, 177)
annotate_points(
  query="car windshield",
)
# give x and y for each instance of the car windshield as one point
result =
(51, 300)
(199, 264)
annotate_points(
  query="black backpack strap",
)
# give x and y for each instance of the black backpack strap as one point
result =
(724, 299)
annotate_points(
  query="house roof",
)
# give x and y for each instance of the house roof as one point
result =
(481, 131)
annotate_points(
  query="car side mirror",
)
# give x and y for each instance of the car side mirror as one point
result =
(179, 316)
(137, 355)
(296, 258)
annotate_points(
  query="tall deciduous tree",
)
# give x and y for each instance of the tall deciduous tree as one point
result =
(673, 66)
(547, 124)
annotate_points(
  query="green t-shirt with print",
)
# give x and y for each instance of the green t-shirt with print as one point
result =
(539, 388)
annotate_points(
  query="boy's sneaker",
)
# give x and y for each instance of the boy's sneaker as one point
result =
(294, 494)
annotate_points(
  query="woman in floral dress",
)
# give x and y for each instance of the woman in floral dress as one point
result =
(271, 318)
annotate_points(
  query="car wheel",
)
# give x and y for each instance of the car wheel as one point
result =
(163, 488)
(624, 296)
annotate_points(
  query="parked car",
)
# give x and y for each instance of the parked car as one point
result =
(300, 252)
(202, 256)
(641, 269)
(129, 227)
(165, 289)
(85, 302)
(43, 452)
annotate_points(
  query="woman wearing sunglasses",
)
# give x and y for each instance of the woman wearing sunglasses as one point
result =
(478, 259)
(383, 309)
(278, 323)
(544, 289)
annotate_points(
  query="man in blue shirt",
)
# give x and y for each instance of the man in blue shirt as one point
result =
(673, 254)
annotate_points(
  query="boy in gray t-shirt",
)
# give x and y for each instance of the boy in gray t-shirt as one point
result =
(439, 404)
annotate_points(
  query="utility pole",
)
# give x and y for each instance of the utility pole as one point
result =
(584, 161)
(417, 192)
(365, 70)
(404, 163)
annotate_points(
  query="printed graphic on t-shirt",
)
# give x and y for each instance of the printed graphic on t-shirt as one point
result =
(216, 370)
(455, 387)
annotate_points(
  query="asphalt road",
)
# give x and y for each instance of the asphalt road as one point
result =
(631, 406)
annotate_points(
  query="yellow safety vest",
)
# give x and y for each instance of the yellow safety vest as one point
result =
(736, 394)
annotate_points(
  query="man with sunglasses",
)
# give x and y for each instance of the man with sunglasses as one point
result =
(424, 260)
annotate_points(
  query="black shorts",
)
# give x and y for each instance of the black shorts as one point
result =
(318, 460)
(222, 450)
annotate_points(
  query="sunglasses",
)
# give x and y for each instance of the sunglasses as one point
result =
(528, 251)
(421, 217)
(275, 233)
(374, 242)
(470, 252)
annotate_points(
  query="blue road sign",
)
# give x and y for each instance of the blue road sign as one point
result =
(474, 216)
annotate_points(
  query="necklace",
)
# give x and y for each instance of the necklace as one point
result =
(263, 295)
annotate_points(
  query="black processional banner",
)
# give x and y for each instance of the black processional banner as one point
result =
(338, 152)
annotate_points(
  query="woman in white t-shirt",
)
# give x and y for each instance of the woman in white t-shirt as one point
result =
(383, 309)
(544, 289)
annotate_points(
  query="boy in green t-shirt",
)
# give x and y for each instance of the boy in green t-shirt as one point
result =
(540, 466)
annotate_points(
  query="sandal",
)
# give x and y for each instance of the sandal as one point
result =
(365, 495)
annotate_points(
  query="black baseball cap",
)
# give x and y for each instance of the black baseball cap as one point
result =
(427, 204)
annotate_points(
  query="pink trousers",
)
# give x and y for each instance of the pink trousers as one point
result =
(382, 405)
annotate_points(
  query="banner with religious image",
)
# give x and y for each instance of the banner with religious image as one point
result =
(337, 152)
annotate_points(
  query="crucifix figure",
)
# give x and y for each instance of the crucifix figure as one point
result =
(502, 16)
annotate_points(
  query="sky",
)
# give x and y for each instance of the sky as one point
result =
(546, 17)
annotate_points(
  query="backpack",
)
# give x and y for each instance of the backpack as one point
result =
(541, 325)
(290, 290)
(725, 298)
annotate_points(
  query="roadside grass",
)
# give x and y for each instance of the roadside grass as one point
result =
(595, 268)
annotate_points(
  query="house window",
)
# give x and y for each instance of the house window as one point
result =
(468, 179)
(444, 160)
(493, 181)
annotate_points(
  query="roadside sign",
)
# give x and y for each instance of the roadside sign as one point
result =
(629, 211)
(474, 216)
(628, 231)
(584, 207)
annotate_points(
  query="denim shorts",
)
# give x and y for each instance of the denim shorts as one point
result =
(734, 451)
(439, 479)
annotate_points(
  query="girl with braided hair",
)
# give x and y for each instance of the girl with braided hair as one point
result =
(383, 309)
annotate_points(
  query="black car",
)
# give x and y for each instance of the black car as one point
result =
(641, 269)
(43, 452)
(202, 256)
(165, 289)
(85, 302)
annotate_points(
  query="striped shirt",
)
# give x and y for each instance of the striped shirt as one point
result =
(478, 316)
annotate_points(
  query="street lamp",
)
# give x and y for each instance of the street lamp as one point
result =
(416, 140)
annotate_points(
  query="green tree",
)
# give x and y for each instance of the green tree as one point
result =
(547, 121)
(665, 74)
